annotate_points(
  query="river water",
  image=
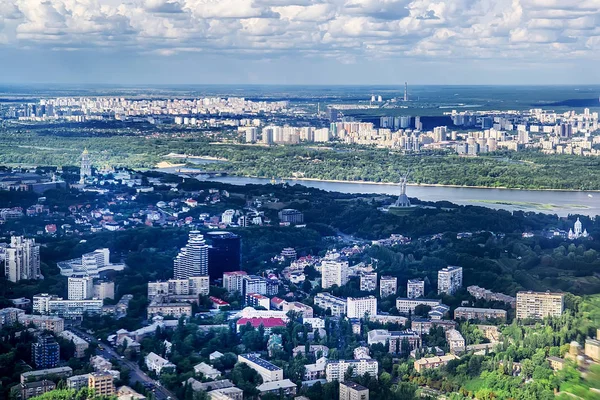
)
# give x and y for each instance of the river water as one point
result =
(561, 203)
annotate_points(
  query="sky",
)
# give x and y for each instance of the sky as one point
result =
(300, 41)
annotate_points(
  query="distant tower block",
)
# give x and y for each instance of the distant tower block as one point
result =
(403, 198)
(86, 166)
(405, 91)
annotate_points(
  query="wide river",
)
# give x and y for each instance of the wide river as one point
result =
(561, 203)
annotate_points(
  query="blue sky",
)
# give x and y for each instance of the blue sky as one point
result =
(300, 41)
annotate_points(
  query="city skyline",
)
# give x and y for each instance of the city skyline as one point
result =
(285, 42)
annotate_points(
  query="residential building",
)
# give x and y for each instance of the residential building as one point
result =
(301, 308)
(104, 290)
(368, 281)
(395, 340)
(556, 363)
(316, 370)
(230, 393)
(406, 305)
(43, 322)
(80, 287)
(481, 314)
(176, 310)
(336, 370)
(206, 370)
(481, 293)
(268, 323)
(415, 288)
(102, 383)
(333, 272)
(361, 352)
(38, 388)
(317, 350)
(291, 216)
(285, 386)
(156, 363)
(78, 381)
(192, 260)
(433, 362)
(59, 372)
(22, 259)
(233, 281)
(327, 301)
(10, 316)
(45, 352)
(358, 307)
(257, 300)
(254, 284)
(422, 326)
(80, 345)
(127, 393)
(269, 372)
(456, 341)
(388, 285)
(194, 285)
(353, 391)
(538, 305)
(449, 280)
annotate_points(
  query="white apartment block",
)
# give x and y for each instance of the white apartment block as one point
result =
(368, 282)
(49, 304)
(194, 285)
(80, 344)
(192, 259)
(456, 341)
(450, 279)
(43, 322)
(415, 288)
(22, 259)
(335, 370)
(333, 273)
(254, 284)
(405, 305)
(234, 281)
(388, 285)
(538, 305)
(358, 307)
(328, 301)
(156, 363)
(80, 287)
(269, 372)
(104, 290)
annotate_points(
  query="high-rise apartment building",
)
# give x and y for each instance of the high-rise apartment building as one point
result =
(192, 260)
(415, 288)
(233, 281)
(449, 279)
(388, 285)
(368, 282)
(333, 272)
(538, 305)
(45, 352)
(358, 307)
(104, 290)
(254, 284)
(80, 287)
(353, 391)
(22, 259)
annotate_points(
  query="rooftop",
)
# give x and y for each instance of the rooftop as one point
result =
(260, 362)
(353, 385)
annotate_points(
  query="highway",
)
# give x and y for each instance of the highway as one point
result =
(136, 374)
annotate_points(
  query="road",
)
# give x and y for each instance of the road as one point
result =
(136, 374)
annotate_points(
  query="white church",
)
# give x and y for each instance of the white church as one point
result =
(578, 233)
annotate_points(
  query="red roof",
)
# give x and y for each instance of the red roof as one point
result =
(277, 300)
(218, 301)
(266, 322)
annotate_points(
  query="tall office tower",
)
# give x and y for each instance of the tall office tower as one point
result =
(22, 259)
(405, 91)
(192, 260)
(333, 273)
(80, 287)
(224, 253)
(45, 352)
(86, 166)
(415, 288)
(449, 279)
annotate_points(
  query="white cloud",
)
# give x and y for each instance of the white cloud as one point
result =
(347, 29)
